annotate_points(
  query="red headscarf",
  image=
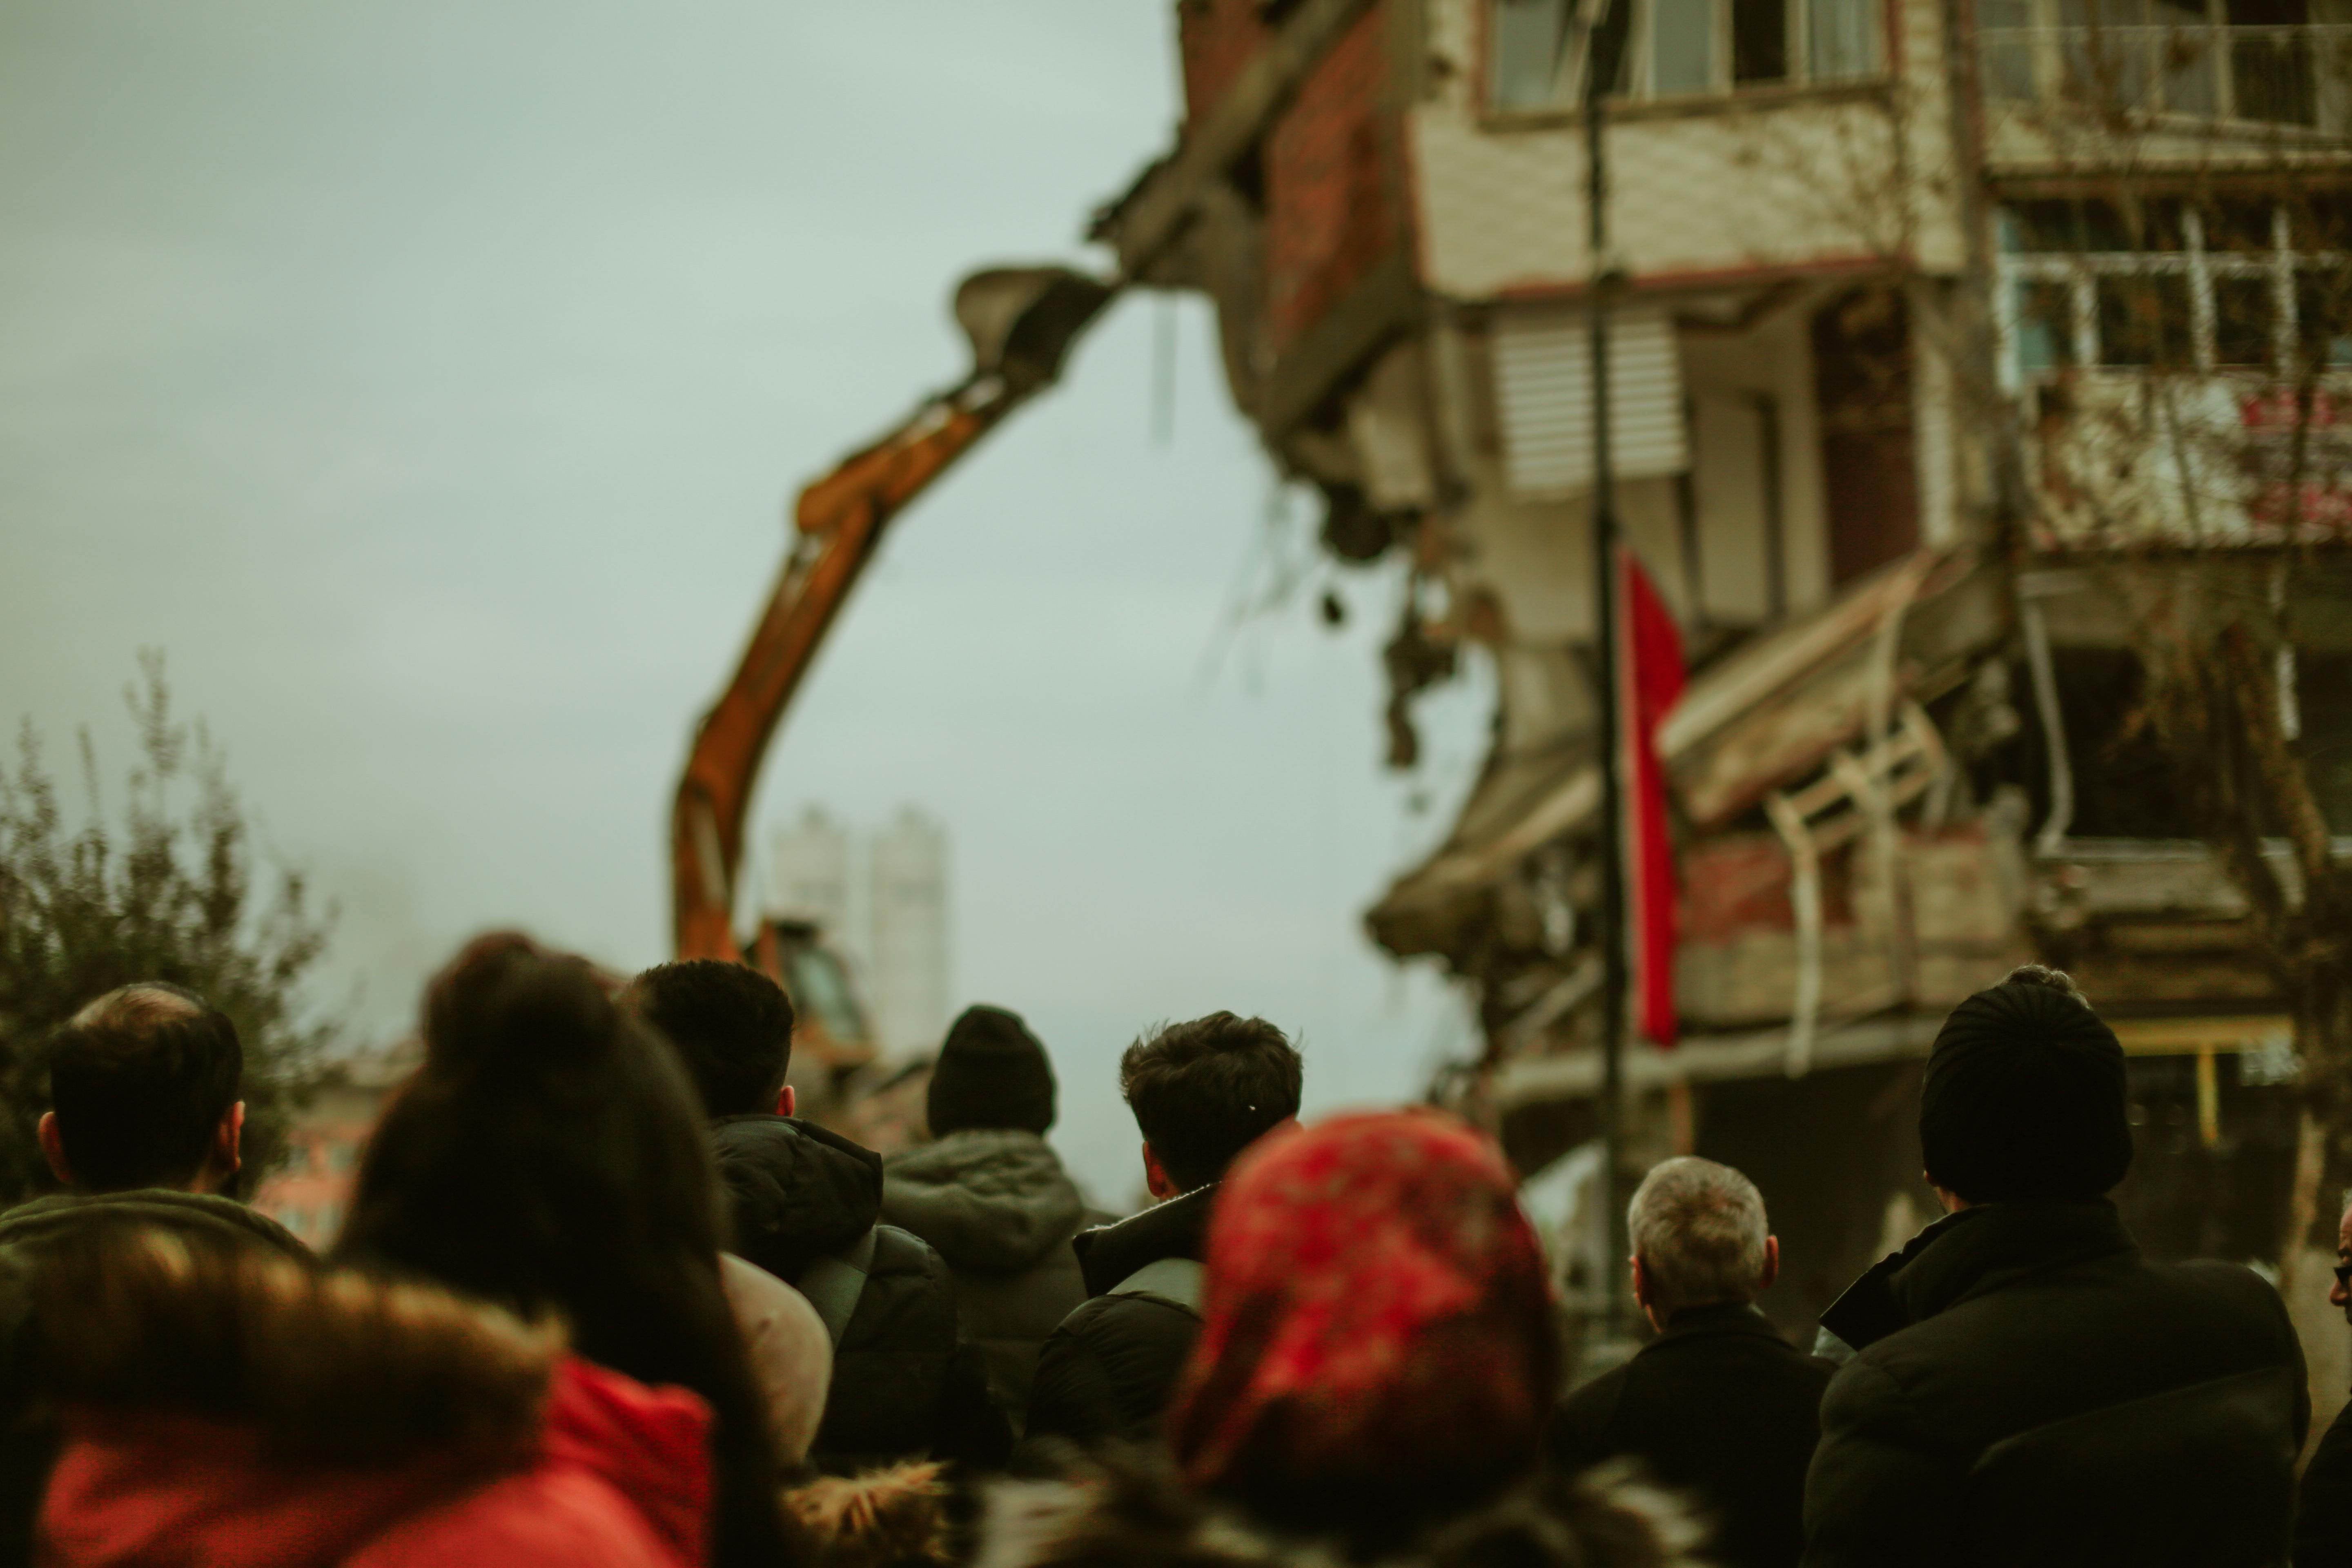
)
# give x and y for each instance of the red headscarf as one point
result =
(1376, 1312)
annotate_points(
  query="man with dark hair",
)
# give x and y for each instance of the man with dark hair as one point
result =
(1718, 1406)
(990, 1193)
(1202, 1093)
(2027, 1387)
(145, 1124)
(804, 1202)
(143, 1134)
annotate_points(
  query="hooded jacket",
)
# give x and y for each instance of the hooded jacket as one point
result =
(2028, 1389)
(901, 1388)
(28, 1429)
(1110, 1370)
(225, 1408)
(1134, 1515)
(1002, 1211)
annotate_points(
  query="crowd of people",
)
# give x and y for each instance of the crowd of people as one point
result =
(602, 1298)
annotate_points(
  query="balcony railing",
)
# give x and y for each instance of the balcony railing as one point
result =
(2274, 75)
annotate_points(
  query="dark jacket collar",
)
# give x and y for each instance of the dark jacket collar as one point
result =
(1723, 1318)
(1978, 1250)
(796, 1190)
(165, 1206)
(1177, 1228)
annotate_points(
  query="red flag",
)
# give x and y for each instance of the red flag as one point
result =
(1650, 666)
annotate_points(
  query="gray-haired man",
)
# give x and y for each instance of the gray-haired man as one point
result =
(1720, 1404)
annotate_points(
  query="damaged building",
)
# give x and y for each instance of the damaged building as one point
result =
(1908, 757)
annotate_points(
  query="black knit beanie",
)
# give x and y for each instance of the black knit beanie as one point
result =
(991, 1072)
(2024, 1097)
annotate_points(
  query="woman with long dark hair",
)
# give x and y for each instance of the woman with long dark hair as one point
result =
(1376, 1361)
(547, 1157)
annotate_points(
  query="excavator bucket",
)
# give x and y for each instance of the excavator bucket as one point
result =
(1022, 319)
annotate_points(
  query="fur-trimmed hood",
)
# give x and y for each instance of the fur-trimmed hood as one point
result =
(1135, 1514)
(227, 1405)
(333, 1365)
(895, 1517)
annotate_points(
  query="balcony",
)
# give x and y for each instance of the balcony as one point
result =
(2164, 63)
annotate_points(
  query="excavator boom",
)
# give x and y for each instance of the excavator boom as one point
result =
(1022, 322)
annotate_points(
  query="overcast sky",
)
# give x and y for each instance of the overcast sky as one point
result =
(429, 379)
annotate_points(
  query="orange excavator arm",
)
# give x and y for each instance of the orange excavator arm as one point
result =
(1022, 322)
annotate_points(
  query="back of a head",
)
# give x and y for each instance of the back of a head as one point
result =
(550, 1156)
(1204, 1090)
(731, 1024)
(1699, 1230)
(2024, 1097)
(991, 1072)
(1376, 1346)
(140, 1079)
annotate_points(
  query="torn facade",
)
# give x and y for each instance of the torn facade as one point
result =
(1922, 359)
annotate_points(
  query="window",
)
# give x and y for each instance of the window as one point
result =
(2171, 285)
(2144, 319)
(1682, 48)
(2234, 59)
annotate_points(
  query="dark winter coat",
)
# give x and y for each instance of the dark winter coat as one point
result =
(2028, 1389)
(903, 1386)
(1721, 1408)
(1134, 1515)
(2323, 1521)
(1001, 1210)
(188, 1214)
(28, 1434)
(1110, 1367)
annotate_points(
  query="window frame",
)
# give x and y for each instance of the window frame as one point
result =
(2079, 272)
(1641, 57)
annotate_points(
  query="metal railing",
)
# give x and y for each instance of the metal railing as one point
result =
(2287, 76)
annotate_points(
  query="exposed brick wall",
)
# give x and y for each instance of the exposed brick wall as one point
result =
(1215, 38)
(1331, 210)
(1327, 166)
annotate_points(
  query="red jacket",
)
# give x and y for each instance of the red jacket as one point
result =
(226, 1406)
(620, 1479)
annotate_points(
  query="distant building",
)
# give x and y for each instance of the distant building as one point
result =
(808, 873)
(908, 962)
(312, 1193)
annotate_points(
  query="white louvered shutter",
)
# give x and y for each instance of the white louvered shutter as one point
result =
(1543, 394)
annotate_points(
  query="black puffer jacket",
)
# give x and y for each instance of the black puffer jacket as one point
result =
(2030, 1390)
(1109, 1369)
(1000, 1208)
(903, 1384)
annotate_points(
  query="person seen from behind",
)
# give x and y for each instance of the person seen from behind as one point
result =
(145, 1122)
(1718, 1406)
(2027, 1388)
(1375, 1363)
(805, 1204)
(990, 1193)
(1201, 1091)
(548, 1159)
(145, 1130)
(2323, 1524)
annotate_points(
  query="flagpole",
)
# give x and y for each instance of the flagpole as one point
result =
(1608, 727)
